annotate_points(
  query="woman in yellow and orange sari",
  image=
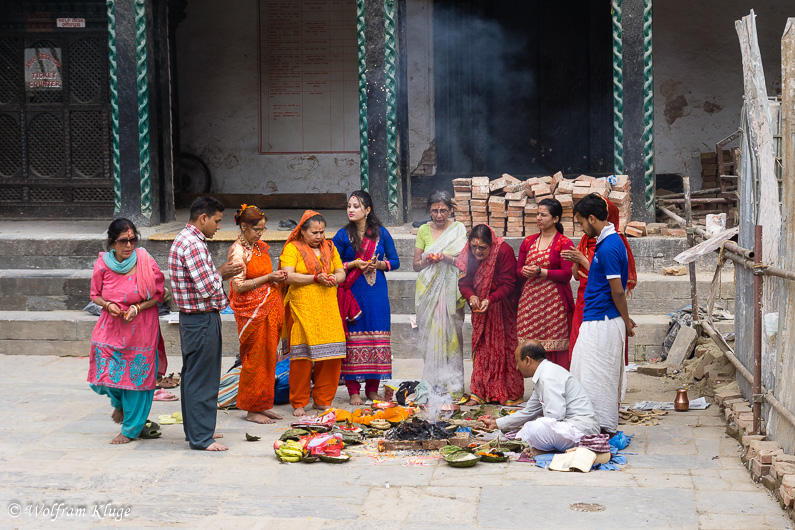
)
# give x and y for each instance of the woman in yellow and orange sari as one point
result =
(312, 323)
(256, 298)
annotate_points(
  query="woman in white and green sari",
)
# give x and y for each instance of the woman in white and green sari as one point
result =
(439, 305)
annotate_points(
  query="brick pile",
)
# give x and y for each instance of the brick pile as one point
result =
(510, 206)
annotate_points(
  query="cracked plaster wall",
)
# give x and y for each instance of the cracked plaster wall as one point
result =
(698, 82)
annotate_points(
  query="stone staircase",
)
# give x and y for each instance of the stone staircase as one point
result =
(45, 281)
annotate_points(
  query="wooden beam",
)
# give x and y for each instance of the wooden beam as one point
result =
(761, 135)
(306, 201)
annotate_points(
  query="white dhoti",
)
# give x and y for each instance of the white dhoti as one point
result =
(549, 434)
(597, 361)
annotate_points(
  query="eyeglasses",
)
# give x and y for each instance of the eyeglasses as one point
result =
(124, 241)
(442, 211)
(480, 248)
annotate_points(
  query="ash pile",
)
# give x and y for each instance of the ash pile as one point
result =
(417, 429)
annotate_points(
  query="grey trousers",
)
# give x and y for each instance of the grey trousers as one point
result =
(200, 335)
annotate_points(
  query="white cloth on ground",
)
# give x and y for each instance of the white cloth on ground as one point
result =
(557, 395)
(548, 434)
(597, 361)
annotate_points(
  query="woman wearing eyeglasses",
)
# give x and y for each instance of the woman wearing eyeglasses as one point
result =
(488, 265)
(256, 298)
(439, 305)
(127, 350)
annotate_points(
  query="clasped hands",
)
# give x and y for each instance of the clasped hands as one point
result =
(531, 270)
(477, 305)
(367, 265)
(277, 276)
(329, 280)
(434, 258)
(115, 311)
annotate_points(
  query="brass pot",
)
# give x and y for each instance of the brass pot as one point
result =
(681, 403)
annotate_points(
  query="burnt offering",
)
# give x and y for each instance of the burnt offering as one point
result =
(417, 429)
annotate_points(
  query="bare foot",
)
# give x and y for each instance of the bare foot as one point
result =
(269, 413)
(471, 403)
(215, 446)
(120, 439)
(374, 396)
(298, 412)
(118, 416)
(356, 400)
(259, 417)
(216, 436)
(320, 407)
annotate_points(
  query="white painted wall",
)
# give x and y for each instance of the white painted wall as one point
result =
(698, 83)
(217, 50)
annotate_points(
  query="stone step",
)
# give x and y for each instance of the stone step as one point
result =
(68, 289)
(67, 333)
(80, 251)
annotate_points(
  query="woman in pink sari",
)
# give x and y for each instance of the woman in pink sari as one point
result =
(127, 350)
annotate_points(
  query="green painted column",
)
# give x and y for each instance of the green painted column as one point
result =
(364, 152)
(135, 186)
(618, 89)
(634, 109)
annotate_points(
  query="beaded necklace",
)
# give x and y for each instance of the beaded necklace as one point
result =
(254, 249)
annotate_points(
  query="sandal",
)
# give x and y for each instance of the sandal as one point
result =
(170, 419)
(167, 382)
(150, 431)
(164, 395)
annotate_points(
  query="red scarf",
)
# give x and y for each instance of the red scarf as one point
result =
(349, 307)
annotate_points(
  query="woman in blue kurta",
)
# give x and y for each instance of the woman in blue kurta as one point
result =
(367, 252)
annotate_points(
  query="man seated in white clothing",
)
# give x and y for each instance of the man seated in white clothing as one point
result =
(558, 413)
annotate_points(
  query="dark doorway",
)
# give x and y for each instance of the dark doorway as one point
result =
(54, 110)
(523, 87)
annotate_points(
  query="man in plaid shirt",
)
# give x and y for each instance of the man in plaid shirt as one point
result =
(199, 292)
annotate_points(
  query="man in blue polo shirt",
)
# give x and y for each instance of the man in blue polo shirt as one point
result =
(597, 359)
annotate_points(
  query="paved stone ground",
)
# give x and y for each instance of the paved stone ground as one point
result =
(54, 435)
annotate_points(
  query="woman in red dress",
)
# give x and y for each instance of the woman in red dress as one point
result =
(488, 265)
(546, 304)
(581, 259)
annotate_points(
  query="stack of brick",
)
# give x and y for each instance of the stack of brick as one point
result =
(463, 197)
(478, 205)
(498, 203)
(565, 195)
(709, 170)
(620, 196)
(516, 197)
(530, 212)
(536, 190)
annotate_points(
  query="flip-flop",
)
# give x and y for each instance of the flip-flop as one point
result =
(170, 419)
(164, 395)
(150, 431)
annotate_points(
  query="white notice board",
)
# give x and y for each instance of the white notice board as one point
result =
(308, 67)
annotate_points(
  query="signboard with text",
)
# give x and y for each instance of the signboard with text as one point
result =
(70, 23)
(43, 69)
(309, 76)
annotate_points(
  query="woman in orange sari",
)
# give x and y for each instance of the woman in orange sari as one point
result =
(312, 322)
(581, 258)
(256, 298)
